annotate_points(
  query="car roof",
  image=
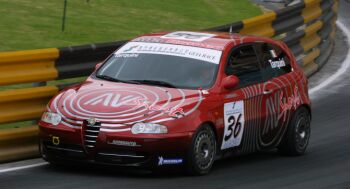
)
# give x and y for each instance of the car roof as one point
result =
(210, 40)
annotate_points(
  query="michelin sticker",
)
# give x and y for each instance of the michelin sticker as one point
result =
(164, 161)
(234, 124)
(189, 36)
(132, 49)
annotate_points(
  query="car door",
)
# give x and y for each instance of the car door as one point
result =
(242, 106)
(279, 86)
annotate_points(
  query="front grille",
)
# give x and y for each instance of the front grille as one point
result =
(68, 151)
(72, 152)
(121, 157)
(90, 135)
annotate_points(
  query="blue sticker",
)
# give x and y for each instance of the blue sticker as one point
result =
(164, 161)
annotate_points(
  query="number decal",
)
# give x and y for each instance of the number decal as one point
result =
(231, 121)
(234, 124)
(238, 127)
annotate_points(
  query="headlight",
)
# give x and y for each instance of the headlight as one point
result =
(52, 118)
(148, 128)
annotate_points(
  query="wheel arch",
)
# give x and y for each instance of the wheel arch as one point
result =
(212, 126)
(308, 107)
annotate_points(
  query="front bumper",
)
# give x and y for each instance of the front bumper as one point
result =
(120, 149)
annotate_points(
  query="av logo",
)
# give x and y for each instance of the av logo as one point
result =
(112, 100)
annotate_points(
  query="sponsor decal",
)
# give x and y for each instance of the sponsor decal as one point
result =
(130, 48)
(126, 55)
(234, 124)
(195, 44)
(123, 143)
(208, 55)
(292, 102)
(277, 107)
(277, 63)
(171, 111)
(116, 100)
(149, 39)
(189, 36)
(112, 100)
(165, 161)
(55, 140)
(273, 53)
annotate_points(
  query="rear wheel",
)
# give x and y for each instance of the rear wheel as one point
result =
(202, 151)
(297, 136)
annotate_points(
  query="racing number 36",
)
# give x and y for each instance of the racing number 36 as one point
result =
(234, 124)
(234, 127)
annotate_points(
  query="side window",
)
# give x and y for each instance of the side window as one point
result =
(244, 63)
(274, 61)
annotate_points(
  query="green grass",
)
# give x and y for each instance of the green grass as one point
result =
(32, 24)
(54, 82)
(17, 125)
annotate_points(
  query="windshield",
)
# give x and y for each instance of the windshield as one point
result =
(162, 64)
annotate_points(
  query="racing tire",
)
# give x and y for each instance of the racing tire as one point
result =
(297, 137)
(202, 151)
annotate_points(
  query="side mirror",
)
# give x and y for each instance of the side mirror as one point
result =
(97, 66)
(230, 82)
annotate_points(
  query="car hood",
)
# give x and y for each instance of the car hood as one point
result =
(121, 103)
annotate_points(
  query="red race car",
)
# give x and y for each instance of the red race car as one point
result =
(181, 99)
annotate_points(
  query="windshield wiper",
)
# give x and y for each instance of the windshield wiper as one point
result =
(155, 82)
(109, 78)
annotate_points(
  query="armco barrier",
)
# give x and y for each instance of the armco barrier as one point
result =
(308, 28)
(28, 66)
(80, 60)
(18, 143)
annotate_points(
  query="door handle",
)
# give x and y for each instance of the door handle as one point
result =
(266, 92)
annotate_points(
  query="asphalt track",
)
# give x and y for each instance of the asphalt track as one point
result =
(326, 164)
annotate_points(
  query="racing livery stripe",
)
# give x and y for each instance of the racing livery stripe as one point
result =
(75, 109)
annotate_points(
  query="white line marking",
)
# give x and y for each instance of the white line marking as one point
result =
(344, 67)
(22, 167)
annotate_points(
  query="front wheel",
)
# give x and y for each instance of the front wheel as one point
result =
(297, 137)
(202, 151)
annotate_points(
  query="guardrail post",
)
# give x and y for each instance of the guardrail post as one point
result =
(38, 84)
